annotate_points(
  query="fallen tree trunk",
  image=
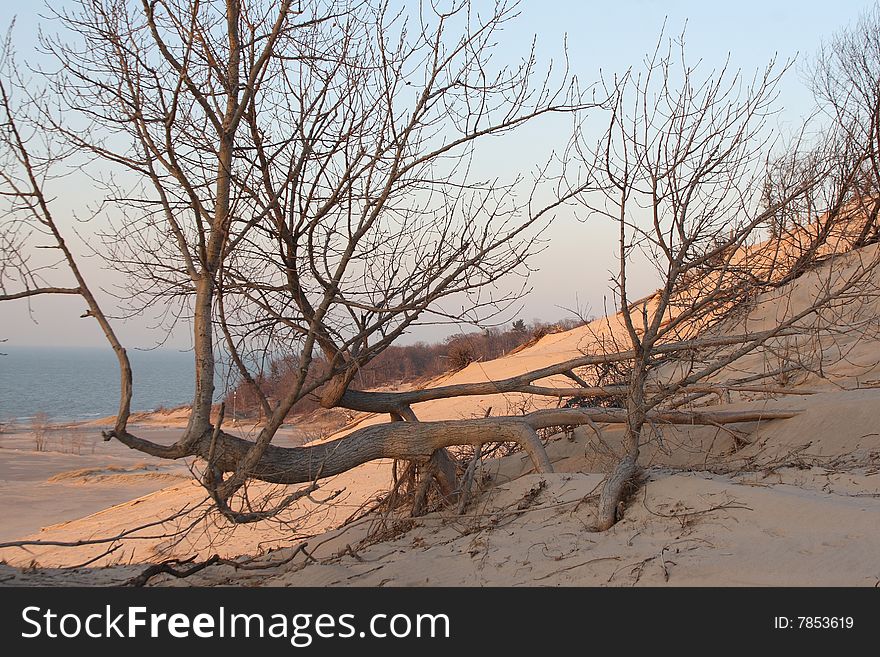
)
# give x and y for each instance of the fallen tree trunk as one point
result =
(395, 440)
(405, 440)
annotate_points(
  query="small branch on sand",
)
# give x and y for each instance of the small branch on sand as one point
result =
(166, 567)
(577, 565)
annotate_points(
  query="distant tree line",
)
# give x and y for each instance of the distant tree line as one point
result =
(397, 364)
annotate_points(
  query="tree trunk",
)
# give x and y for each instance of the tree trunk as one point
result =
(203, 341)
(617, 483)
(614, 490)
(396, 440)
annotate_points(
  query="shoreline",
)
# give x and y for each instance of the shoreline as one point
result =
(24, 423)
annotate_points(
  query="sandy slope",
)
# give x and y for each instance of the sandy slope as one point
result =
(788, 502)
(79, 474)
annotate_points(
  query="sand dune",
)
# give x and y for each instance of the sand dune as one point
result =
(793, 501)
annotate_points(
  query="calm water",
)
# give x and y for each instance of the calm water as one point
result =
(83, 383)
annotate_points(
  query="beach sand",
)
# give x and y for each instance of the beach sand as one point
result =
(781, 502)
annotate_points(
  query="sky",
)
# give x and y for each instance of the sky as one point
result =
(573, 270)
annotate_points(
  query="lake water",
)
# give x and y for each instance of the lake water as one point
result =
(83, 383)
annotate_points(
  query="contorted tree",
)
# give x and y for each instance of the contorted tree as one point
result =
(302, 176)
(296, 174)
(683, 165)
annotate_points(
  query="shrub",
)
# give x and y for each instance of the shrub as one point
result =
(460, 355)
(40, 431)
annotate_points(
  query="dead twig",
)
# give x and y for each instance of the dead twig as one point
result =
(577, 565)
(166, 568)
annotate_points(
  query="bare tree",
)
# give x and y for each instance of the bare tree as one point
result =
(39, 430)
(845, 77)
(683, 167)
(293, 176)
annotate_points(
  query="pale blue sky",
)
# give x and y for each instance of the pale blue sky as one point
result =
(610, 36)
